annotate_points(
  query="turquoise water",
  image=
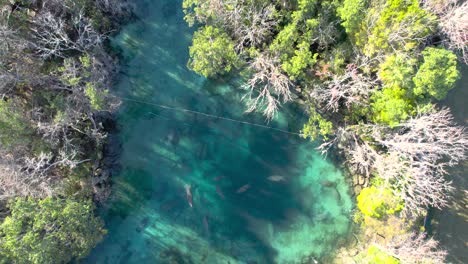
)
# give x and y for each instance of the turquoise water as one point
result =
(294, 205)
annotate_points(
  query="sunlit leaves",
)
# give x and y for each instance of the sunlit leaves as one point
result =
(49, 231)
(212, 52)
(391, 106)
(317, 126)
(378, 202)
(437, 74)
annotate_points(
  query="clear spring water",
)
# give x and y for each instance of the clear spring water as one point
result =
(300, 216)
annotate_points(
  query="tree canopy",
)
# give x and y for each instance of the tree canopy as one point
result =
(378, 202)
(437, 74)
(51, 230)
(212, 52)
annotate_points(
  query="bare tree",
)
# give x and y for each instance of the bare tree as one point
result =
(453, 23)
(423, 147)
(412, 158)
(16, 181)
(116, 7)
(267, 87)
(416, 248)
(53, 36)
(76, 104)
(251, 26)
(429, 137)
(250, 22)
(351, 87)
(327, 32)
(34, 176)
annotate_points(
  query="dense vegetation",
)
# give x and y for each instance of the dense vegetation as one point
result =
(54, 102)
(370, 73)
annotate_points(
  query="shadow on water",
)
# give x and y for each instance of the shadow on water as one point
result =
(451, 225)
(257, 194)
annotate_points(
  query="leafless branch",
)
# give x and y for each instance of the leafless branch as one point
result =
(416, 248)
(352, 87)
(53, 37)
(267, 87)
(453, 17)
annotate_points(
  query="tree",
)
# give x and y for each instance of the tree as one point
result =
(15, 128)
(316, 126)
(378, 202)
(51, 230)
(391, 106)
(397, 70)
(453, 23)
(416, 248)
(267, 86)
(16, 65)
(395, 25)
(353, 13)
(437, 74)
(353, 87)
(302, 60)
(374, 255)
(203, 11)
(283, 44)
(212, 52)
(53, 36)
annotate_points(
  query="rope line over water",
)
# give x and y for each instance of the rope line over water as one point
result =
(208, 115)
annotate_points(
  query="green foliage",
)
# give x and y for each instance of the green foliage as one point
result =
(400, 24)
(302, 60)
(353, 12)
(293, 44)
(196, 10)
(378, 202)
(437, 74)
(316, 126)
(15, 128)
(397, 71)
(212, 52)
(49, 231)
(69, 78)
(97, 99)
(85, 61)
(376, 256)
(391, 106)
(284, 42)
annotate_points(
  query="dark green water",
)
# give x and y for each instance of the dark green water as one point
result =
(303, 215)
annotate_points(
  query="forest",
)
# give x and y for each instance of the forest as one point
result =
(370, 74)
(54, 117)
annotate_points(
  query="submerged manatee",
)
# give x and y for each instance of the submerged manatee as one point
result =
(328, 183)
(276, 178)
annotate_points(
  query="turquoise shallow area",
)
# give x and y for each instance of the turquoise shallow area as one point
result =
(301, 215)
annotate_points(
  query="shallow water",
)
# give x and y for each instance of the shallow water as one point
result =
(240, 213)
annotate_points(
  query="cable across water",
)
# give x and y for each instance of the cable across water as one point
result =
(208, 115)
